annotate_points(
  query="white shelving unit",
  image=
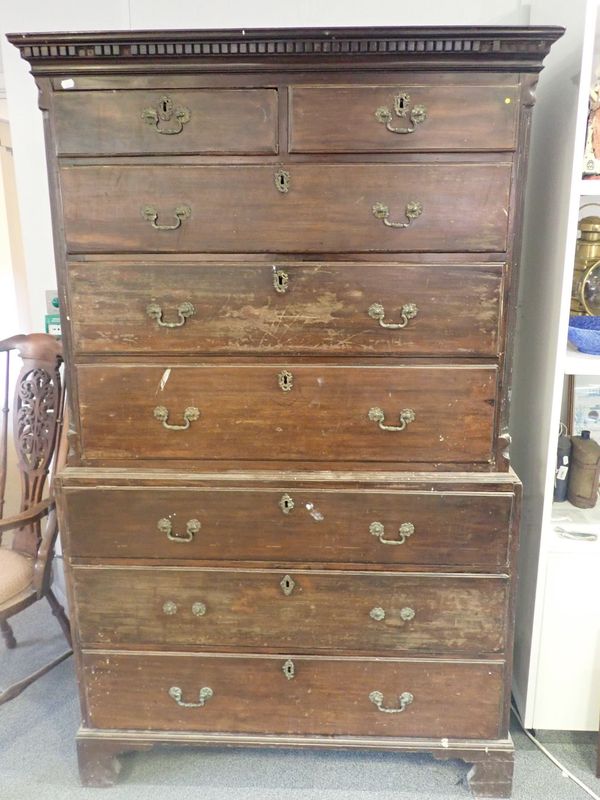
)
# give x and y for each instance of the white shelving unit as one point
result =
(557, 647)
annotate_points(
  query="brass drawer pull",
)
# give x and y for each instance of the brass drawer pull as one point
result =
(169, 608)
(417, 114)
(413, 210)
(408, 311)
(205, 694)
(184, 311)
(280, 280)
(378, 614)
(164, 113)
(189, 415)
(181, 213)
(404, 531)
(192, 526)
(407, 415)
(406, 698)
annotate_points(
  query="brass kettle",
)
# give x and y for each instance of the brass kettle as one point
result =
(585, 294)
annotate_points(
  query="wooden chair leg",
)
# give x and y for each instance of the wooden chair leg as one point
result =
(59, 612)
(16, 689)
(8, 635)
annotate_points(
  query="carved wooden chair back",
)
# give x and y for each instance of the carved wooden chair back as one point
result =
(38, 439)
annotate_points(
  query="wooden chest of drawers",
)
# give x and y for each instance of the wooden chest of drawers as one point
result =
(287, 266)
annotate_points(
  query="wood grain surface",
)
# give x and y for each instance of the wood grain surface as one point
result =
(319, 308)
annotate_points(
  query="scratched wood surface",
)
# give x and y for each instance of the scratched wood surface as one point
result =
(243, 412)
(328, 208)
(290, 307)
(293, 524)
(253, 695)
(325, 611)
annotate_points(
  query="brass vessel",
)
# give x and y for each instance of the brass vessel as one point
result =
(585, 294)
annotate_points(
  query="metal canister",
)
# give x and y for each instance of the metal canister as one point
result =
(585, 295)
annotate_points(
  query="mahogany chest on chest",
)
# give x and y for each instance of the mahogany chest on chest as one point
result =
(287, 266)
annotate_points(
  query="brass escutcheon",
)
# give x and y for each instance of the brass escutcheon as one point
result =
(169, 608)
(286, 503)
(285, 379)
(287, 584)
(164, 112)
(282, 181)
(289, 669)
(401, 103)
(280, 281)
(198, 609)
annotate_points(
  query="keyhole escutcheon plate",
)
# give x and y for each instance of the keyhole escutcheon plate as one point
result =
(287, 584)
(282, 181)
(285, 379)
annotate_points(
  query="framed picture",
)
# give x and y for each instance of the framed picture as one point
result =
(584, 405)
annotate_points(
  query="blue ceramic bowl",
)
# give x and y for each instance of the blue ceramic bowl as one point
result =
(584, 333)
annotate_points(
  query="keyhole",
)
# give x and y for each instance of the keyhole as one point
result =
(282, 181)
(287, 505)
(286, 382)
(401, 104)
(280, 282)
(287, 584)
(164, 106)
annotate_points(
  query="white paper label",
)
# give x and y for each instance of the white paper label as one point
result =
(561, 473)
(68, 83)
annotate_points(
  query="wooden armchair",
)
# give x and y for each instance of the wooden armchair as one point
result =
(26, 561)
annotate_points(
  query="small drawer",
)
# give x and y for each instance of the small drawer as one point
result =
(316, 412)
(302, 610)
(402, 118)
(187, 121)
(297, 208)
(291, 524)
(326, 308)
(294, 695)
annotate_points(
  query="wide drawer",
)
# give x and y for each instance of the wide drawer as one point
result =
(402, 118)
(305, 610)
(290, 524)
(325, 695)
(288, 411)
(164, 121)
(326, 208)
(182, 307)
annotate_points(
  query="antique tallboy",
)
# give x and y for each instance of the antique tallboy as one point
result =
(287, 267)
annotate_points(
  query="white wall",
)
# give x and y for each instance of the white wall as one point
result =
(73, 15)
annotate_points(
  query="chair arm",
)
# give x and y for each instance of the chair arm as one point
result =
(32, 514)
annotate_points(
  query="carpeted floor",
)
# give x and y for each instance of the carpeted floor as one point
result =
(37, 753)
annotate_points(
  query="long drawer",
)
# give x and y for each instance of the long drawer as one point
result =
(292, 524)
(402, 118)
(300, 208)
(326, 308)
(295, 695)
(307, 610)
(292, 411)
(166, 122)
